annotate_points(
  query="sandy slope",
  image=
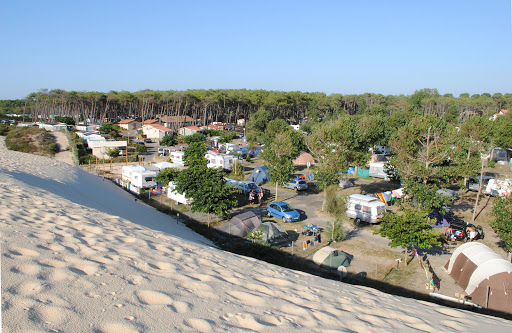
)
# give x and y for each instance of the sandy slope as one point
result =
(81, 255)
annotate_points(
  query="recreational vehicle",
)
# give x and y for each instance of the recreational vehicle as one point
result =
(364, 208)
(140, 176)
(377, 170)
(175, 196)
(177, 157)
(219, 160)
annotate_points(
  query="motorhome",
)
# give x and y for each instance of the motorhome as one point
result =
(219, 160)
(179, 198)
(140, 176)
(177, 157)
(364, 208)
(377, 170)
(381, 149)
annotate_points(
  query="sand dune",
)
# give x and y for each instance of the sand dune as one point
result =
(81, 255)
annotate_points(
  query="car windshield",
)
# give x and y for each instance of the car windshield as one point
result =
(302, 182)
(287, 208)
(251, 186)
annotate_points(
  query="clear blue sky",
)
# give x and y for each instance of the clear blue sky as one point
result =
(344, 46)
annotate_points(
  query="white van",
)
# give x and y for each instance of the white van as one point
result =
(365, 208)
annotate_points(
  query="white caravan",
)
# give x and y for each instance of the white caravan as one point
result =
(175, 196)
(140, 176)
(219, 160)
(177, 157)
(377, 170)
(365, 208)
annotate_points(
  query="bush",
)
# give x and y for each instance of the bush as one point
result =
(248, 157)
(141, 148)
(4, 129)
(336, 230)
(53, 148)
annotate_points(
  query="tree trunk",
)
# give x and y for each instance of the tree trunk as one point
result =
(479, 190)
(276, 191)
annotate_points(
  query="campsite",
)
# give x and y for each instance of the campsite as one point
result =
(372, 261)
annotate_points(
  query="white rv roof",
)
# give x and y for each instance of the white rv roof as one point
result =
(362, 197)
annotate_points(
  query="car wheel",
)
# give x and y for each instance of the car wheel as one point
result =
(268, 214)
(284, 219)
(358, 220)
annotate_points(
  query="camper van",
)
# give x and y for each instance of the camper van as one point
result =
(377, 170)
(381, 149)
(364, 208)
(177, 197)
(140, 176)
(177, 157)
(219, 160)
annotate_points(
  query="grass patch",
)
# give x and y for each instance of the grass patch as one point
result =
(31, 140)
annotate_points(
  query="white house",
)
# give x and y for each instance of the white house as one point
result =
(129, 124)
(177, 157)
(176, 121)
(140, 176)
(85, 127)
(53, 126)
(155, 131)
(218, 160)
(100, 149)
(189, 130)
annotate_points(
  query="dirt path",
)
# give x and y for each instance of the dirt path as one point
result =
(65, 154)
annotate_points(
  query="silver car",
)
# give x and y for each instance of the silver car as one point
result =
(296, 184)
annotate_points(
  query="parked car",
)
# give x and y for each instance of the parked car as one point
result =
(283, 211)
(474, 183)
(246, 186)
(296, 184)
(148, 140)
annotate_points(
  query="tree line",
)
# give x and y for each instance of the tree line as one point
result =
(228, 105)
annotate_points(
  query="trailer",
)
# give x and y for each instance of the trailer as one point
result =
(179, 198)
(140, 176)
(378, 170)
(364, 208)
(219, 160)
(177, 157)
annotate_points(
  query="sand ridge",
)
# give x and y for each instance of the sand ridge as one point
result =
(81, 255)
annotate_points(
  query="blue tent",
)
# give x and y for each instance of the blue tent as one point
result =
(259, 175)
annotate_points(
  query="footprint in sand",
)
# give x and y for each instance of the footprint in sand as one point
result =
(23, 252)
(152, 297)
(28, 269)
(116, 328)
(28, 288)
(245, 321)
(53, 314)
(200, 325)
(247, 298)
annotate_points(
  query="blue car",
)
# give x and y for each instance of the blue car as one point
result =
(283, 211)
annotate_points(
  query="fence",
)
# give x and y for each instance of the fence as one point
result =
(74, 149)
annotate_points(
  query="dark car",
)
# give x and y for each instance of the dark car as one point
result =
(147, 140)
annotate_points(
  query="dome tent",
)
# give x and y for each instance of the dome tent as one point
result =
(484, 275)
(272, 234)
(259, 175)
(240, 224)
(331, 258)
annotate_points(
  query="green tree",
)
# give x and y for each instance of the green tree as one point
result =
(256, 126)
(194, 155)
(141, 148)
(206, 186)
(167, 175)
(278, 159)
(112, 129)
(169, 140)
(409, 227)
(66, 120)
(113, 152)
(196, 137)
(502, 220)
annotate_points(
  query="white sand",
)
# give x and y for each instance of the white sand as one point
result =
(80, 255)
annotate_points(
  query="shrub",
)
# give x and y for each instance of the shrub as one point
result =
(4, 129)
(141, 148)
(248, 157)
(336, 230)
